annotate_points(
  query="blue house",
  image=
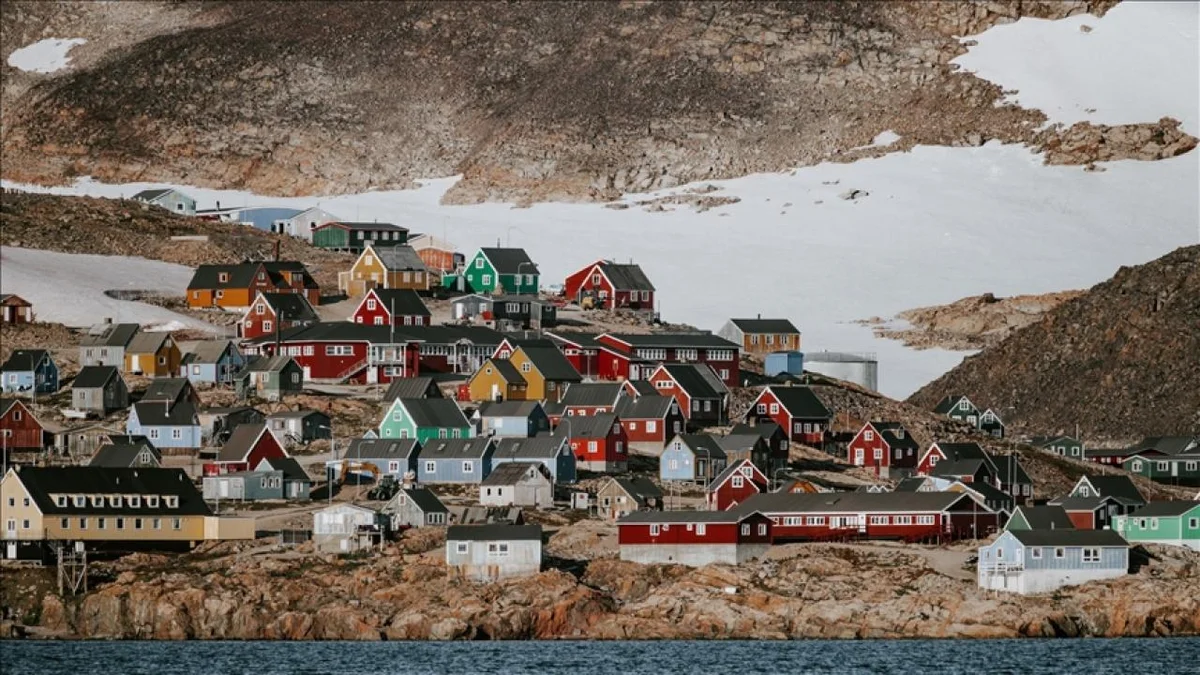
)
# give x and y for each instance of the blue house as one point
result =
(455, 460)
(520, 419)
(1040, 561)
(691, 457)
(553, 452)
(167, 424)
(168, 198)
(212, 362)
(391, 457)
(29, 371)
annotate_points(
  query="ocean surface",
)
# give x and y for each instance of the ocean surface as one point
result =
(1174, 656)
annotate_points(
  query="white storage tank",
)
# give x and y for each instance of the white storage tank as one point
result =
(860, 368)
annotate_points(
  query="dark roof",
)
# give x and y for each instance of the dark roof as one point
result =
(591, 394)
(1082, 503)
(159, 414)
(241, 275)
(739, 442)
(290, 467)
(509, 260)
(1069, 538)
(959, 451)
(582, 340)
(506, 370)
(146, 342)
(122, 456)
(697, 443)
(1118, 486)
(241, 442)
(1044, 441)
(151, 195)
(1160, 509)
(94, 377)
(1007, 466)
(674, 517)
(399, 258)
(801, 402)
(494, 532)
(989, 493)
(411, 387)
(208, 351)
(42, 482)
(511, 473)
(541, 447)
(347, 331)
(266, 364)
(959, 467)
(434, 412)
(734, 467)
(1046, 517)
(643, 387)
(6, 403)
(947, 404)
(167, 389)
(764, 429)
(641, 489)
(111, 335)
(644, 407)
(380, 448)
(401, 301)
(455, 448)
(552, 364)
(348, 225)
(1168, 445)
(587, 426)
(508, 408)
(129, 439)
(24, 360)
(895, 434)
(296, 414)
(291, 306)
(695, 381)
(682, 340)
(759, 326)
(425, 499)
(1109, 452)
(626, 276)
(862, 502)
(910, 484)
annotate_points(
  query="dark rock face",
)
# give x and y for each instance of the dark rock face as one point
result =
(1121, 361)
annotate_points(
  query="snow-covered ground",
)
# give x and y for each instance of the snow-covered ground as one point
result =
(1136, 64)
(939, 223)
(45, 56)
(69, 288)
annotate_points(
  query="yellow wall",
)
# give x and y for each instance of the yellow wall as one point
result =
(11, 488)
(191, 528)
(481, 383)
(535, 384)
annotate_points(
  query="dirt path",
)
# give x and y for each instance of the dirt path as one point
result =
(946, 562)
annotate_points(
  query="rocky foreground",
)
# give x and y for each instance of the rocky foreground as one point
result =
(800, 591)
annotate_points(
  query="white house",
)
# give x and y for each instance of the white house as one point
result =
(301, 225)
(491, 552)
(346, 527)
(1040, 561)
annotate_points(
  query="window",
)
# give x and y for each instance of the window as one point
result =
(461, 547)
(1161, 466)
(720, 355)
(1091, 555)
(813, 520)
(430, 467)
(152, 433)
(442, 433)
(1035, 553)
(762, 529)
(267, 325)
(177, 433)
(172, 501)
(685, 354)
(120, 523)
(1136, 466)
(868, 436)
(526, 367)
(700, 528)
(738, 482)
(339, 350)
(486, 280)
(878, 454)
(468, 467)
(925, 520)
(1190, 466)
(479, 263)
(61, 500)
(1060, 553)
(708, 406)
(176, 523)
(79, 501)
(903, 520)
(66, 523)
(1154, 523)
(762, 408)
(137, 523)
(745, 529)
(964, 404)
(879, 520)
(593, 446)
(135, 502)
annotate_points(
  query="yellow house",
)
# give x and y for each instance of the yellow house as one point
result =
(546, 371)
(386, 267)
(114, 509)
(153, 355)
(497, 380)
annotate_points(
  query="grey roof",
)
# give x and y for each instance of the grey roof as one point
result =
(643, 387)
(1044, 441)
(540, 447)
(644, 407)
(641, 489)
(911, 484)
(764, 429)
(411, 387)
(295, 414)
(698, 443)
(696, 379)
(1118, 486)
(734, 467)
(159, 413)
(94, 377)
(582, 340)
(674, 517)
(1109, 452)
(425, 499)
(948, 403)
(512, 473)
(22, 360)
(122, 456)
(957, 451)
(1081, 503)
(208, 351)
(1168, 445)
(1069, 538)
(959, 467)
(399, 258)
(352, 225)
(455, 448)
(587, 426)
(510, 260)
(146, 342)
(380, 448)
(739, 442)
(42, 482)
(241, 442)
(1045, 517)
(759, 326)
(434, 412)
(129, 439)
(290, 467)
(552, 364)
(494, 532)
(291, 306)
(592, 394)
(167, 389)
(801, 402)
(1161, 509)
(111, 335)
(626, 276)
(153, 194)
(861, 502)
(269, 364)
(989, 493)
(677, 340)
(401, 301)
(508, 408)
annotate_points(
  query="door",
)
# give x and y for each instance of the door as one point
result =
(495, 392)
(373, 375)
(10, 551)
(136, 364)
(223, 488)
(858, 456)
(307, 373)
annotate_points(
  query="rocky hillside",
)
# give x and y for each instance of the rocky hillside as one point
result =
(529, 100)
(1121, 361)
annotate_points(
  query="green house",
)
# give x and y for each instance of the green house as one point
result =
(1064, 446)
(958, 407)
(1174, 523)
(502, 271)
(1170, 469)
(354, 237)
(425, 419)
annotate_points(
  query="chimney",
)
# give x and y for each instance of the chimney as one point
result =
(277, 251)
(108, 320)
(760, 315)
(218, 205)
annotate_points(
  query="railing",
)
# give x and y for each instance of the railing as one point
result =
(1001, 567)
(358, 365)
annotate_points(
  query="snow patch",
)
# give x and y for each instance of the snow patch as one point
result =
(45, 56)
(70, 288)
(1136, 64)
(885, 139)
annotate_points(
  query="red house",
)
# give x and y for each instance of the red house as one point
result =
(795, 409)
(649, 422)
(634, 357)
(19, 429)
(737, 483)
(701, 394)
(248, 445)
(598, 441)
(341, 351)
(392, 307)
(276, 312)
(581, 349)
(694, 538)
(611, 286)
(907, 516)
(885, 447)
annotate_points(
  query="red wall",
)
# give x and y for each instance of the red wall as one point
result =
(606, 448)
(321, 365)
(925, 466)
(868, 449)
(367, 317)
(664, 429)
(677, 533)
(1083, 520)
(26, 432)
(727, 496)
(681, 397)
(582, 280)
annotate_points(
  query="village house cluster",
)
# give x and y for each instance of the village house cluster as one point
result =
(504, 409)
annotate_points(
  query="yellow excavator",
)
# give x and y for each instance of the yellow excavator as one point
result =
(347, 466)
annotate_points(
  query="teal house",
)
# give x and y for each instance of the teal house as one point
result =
(1174, 523)
(502, 271)
(1063, 446)
(1171, 469)
(425, 419)
(959, 407)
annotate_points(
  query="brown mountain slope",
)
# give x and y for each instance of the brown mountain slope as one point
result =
(535, 100)
(1120, 361)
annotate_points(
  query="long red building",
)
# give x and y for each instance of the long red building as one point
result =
(693, 537)
(618, 356)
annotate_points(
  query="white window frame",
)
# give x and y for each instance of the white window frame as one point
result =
(430, 466)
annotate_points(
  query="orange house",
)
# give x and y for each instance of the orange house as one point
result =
(762, 336)
(437, 254)
(236, 286)
(397, 267)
